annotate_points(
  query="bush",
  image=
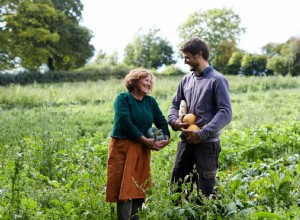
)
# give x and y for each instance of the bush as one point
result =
(172, 70)
(88, 73)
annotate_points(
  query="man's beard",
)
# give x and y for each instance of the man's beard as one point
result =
(193, 67)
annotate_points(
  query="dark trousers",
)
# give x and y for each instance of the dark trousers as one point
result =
(198, 161)
(128, 210)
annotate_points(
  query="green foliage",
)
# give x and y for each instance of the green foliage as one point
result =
(91, 72)
(50, 172)
(284, 58)
(73, 49)
(234, 63)
(272, 49)
(149, 50)
(172, 70)
(224, 52)
(54, 144)
(219, 27)
(278, 65)
(30, 24)
(71, 8)
(103, 58)
(40, 32)
(87, 73)
(6, 58)
(254, 64)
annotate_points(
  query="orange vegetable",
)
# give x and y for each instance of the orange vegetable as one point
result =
(193, 127)
(189, 118)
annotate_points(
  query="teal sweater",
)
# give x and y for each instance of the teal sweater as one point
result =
(134, 117)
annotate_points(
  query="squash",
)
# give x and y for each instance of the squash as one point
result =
(193, 127)
(155, 133)
(182, 108)
(189, 118)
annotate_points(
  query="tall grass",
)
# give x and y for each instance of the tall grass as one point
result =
(255, 99)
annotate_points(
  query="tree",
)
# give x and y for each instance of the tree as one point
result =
(224, 51)
(291, 50)
(219, 27)
(73, 49)
(39, 34)
(272, 49)
(71, 8)
(278, 65)
(149, 50)
(254, 64)
(103, 58)
(234, 63)
(284, 59)
(29, 33)
(6, 58)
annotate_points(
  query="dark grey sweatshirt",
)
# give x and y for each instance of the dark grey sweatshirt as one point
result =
(208, 98)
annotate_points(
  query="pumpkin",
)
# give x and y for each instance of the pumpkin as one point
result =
(155, 133)
(189, 118)
(193, 127)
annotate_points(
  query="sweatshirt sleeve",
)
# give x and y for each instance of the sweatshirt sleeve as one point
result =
(123, 119)
(224, 110)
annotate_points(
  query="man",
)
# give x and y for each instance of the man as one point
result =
(206, 93)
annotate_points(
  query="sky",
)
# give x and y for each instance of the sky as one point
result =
(114, 23)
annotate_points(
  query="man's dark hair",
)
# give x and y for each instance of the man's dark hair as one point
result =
(194, 46)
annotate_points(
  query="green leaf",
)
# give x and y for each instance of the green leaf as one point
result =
(267, 215)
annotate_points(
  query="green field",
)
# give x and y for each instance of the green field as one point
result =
(54, 140)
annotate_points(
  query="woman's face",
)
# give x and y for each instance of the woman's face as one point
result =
(144, 85)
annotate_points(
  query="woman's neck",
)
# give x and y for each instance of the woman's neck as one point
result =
(137, 95)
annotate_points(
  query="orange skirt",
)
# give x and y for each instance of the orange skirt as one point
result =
(128, 170)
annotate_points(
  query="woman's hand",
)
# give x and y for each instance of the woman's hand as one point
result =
(154, 145)
(161, 144)
(149, 143)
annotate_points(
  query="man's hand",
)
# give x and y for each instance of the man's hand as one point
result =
(192, 136)
(178, 124)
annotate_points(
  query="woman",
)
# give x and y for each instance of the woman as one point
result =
(128, 171)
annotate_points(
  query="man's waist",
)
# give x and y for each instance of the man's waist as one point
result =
(210, 139)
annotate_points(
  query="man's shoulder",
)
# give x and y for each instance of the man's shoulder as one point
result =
(187, 77)
(215, 74)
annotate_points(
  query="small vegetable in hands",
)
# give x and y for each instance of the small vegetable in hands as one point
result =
(155, 133)
(189, 118)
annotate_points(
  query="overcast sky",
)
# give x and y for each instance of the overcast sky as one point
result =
(115, 22)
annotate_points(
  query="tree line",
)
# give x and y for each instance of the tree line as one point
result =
(48, 32)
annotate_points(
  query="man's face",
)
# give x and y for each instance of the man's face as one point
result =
(191, 60)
